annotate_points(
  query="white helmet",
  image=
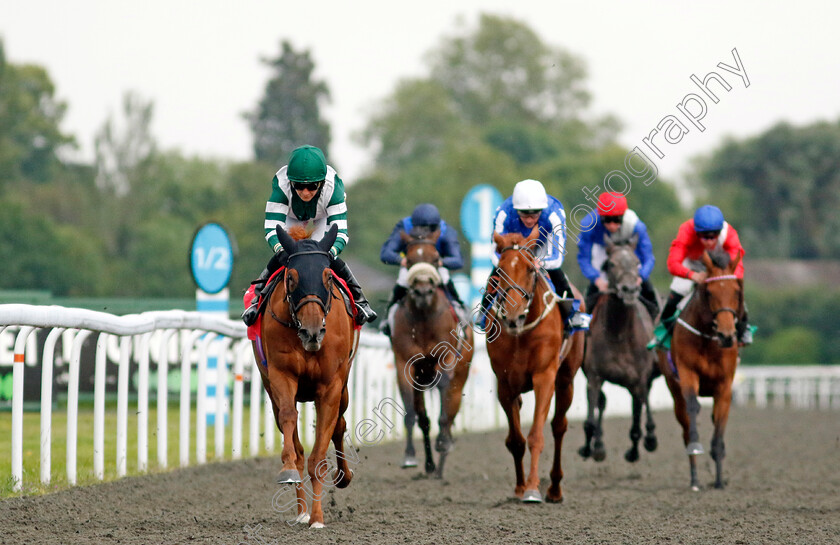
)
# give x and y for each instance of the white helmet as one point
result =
(529, 195)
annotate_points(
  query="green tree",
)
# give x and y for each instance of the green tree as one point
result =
(781, 189)
(30, 115)
(289, 113)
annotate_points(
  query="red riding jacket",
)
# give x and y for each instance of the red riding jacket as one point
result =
(688, 245)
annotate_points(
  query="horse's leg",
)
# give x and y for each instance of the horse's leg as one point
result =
(593, 387)
(690, 385)
(407, 393)
(343, 473)
(720, 415)
(543, 392)
(282, 389)
(515, 442)
(564, 392)
(300, 488)
(327, 402)
(426, 427)
(450, 403)
(650, 427)
(599, 452)
(632, 454)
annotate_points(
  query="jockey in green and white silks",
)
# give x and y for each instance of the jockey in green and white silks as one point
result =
(285, 210)
(309, 193)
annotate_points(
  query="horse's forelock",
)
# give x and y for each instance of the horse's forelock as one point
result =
(423, 271)
(298, 232)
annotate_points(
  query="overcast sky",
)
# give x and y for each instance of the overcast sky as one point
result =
(198, 61)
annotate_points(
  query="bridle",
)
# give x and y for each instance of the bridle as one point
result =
(549, 298)
(311, 298)
(734, 312)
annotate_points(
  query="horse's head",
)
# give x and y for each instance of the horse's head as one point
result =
(516, 277)
(423, 281)
(308, 284)
(723, 293)
(422, 248)
(622, 268)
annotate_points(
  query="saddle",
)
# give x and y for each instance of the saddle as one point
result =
(271, 285)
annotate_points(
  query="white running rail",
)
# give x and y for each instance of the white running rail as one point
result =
(185, 338)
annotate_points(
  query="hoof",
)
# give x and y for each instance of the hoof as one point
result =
(694, 448)
(554, 496)
(599, 454)
(316, 525)
(632, 455)
(430, 468)
(532, 496)
(695, 488)
(303, 518)
(585, 451)
(409, 461)
(288, 476)
(651, 443)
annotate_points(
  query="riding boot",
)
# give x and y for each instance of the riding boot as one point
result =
(670, 308)
(364, 313)
(452, 292)
(591, 296)
(744, 330)
(396, 296)
(249, 316)
(650, 299)
(572, 316)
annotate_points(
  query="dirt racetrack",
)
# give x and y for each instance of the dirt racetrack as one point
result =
(781, 468)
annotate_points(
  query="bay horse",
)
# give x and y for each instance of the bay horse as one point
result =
(304, 353)
(432, 349)
(616, 351)
(527, 351)
(704, 351)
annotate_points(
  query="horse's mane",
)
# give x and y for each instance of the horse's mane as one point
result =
(720, 258)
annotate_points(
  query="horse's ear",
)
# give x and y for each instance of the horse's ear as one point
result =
(535, 234)
(435, 235)
(286, 241)
(608, 243)
(633, 241)
(707, 261)
(405, 237)
(292, 280)
(733, 264)
(328, 240)
(498, 239)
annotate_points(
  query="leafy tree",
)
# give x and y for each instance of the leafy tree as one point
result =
(30, 115)
(781, 189)
(289, 114)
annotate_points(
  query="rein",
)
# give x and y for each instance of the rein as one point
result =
(734, 312)
(549, 297)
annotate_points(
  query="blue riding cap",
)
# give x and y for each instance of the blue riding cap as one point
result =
(425, 214)
(708, 218)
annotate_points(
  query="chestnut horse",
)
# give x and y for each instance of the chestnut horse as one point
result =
(308, 345)
(431, 349)
(527, 352)
(616, 351)
(704, 350)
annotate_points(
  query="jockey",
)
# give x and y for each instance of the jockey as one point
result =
(614, 221)
(424, 220)
(530, 206)
(707, 231)
(308, 192)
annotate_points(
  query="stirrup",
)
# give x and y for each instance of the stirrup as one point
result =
(579, 321)
(364, 314)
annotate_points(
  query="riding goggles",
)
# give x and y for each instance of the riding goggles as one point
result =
(530, 212)
(308, 186)
(612, 219)
(708, 235)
